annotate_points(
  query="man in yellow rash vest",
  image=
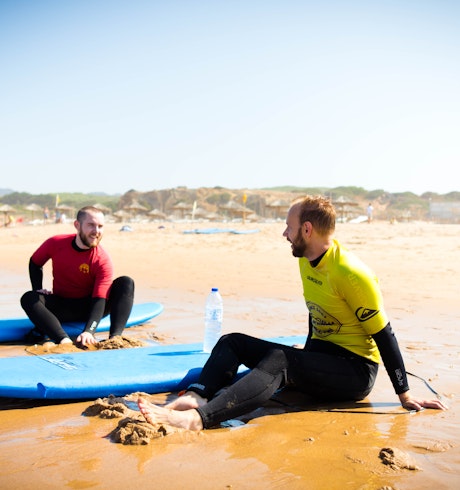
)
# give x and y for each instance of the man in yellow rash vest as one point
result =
(349, 334)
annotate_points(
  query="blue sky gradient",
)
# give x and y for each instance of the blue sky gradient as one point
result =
(116, 95)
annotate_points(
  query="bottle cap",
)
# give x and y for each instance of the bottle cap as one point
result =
(214, 289)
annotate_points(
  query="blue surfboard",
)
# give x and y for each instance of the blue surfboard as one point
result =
(14, 329)
(89, 375)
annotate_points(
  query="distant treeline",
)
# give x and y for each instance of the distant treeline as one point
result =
(393, 204)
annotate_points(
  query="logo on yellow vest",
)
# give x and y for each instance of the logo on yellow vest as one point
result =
(363, 314)
(323, 323)
(84, 268)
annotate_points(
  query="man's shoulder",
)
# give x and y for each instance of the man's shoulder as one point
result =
(58, 239)
(101, 253)
(63, 237)
(347, 261)
(343, 258)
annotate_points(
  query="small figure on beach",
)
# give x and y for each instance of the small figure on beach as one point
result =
(9, 221)
(370, 212)
(83, 285)
(349, 335)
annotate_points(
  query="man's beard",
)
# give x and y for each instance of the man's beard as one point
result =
(88, 242)
(299, 245)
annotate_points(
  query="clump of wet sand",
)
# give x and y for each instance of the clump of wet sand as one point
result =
(397, 459)
(118, 342)
(133, 429)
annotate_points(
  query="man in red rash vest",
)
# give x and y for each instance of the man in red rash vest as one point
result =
(83, 285)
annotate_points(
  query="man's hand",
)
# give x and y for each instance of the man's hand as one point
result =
(410, 403)
(86, 338)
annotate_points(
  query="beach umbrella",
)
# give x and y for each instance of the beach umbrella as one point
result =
(34, 208)
(121, 214)
(156, 213)
(236, 209)
(64, 208)
(135, 207)
(343, 206)
(101, 207)
(6, 209)
(280, 207)
(212, 216)
(199, 213)
(182, 207)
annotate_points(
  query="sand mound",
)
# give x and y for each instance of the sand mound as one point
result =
(397, 459)
(118, 342)
(107, 408)
(132, 431)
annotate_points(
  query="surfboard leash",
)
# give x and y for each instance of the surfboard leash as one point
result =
(426, 384)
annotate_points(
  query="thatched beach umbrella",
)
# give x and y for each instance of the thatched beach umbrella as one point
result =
(212, 216)
(183, 208)
(121, 214)
(157, 214)
(34, 208)
(198, 212)
(280, 207)
(62, 211)
(64, 208)
(101, 207)
(6, 209)
(343, 206)
(135, 207)
(235, 209)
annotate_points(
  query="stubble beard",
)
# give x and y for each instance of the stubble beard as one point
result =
(298, 245)
(87, 241)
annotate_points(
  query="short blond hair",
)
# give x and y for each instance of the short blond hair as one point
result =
(83, 213)
(319, 211)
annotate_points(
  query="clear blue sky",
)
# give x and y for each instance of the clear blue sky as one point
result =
(100, 95)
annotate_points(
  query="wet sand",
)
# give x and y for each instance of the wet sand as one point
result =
(55, 446)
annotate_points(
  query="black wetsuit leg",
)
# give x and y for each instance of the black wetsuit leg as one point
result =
(48, 311)
(272, 366)
(119, 304)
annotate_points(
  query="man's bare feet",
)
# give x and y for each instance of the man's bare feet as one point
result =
(184, 419)
(188, 400)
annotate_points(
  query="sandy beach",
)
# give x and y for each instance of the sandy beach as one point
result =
(321, 447)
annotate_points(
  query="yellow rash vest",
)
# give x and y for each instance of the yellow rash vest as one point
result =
(344, 301)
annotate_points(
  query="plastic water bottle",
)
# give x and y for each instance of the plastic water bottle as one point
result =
(213, 319)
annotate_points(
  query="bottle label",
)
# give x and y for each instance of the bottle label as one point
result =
(215, 315)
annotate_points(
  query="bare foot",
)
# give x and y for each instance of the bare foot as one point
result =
(184, 419)
(66, 340)
(188, 400)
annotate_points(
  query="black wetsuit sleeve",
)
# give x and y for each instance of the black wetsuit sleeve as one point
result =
(95, 315)
(392, 358)
(36, 276)
(310, 333)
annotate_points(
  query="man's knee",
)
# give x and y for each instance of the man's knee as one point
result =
(29, 298)
(123, 285)
(274, 362)
(234, 340)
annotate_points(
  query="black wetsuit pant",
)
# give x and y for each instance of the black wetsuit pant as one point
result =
(338, 376)
(48, 311)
